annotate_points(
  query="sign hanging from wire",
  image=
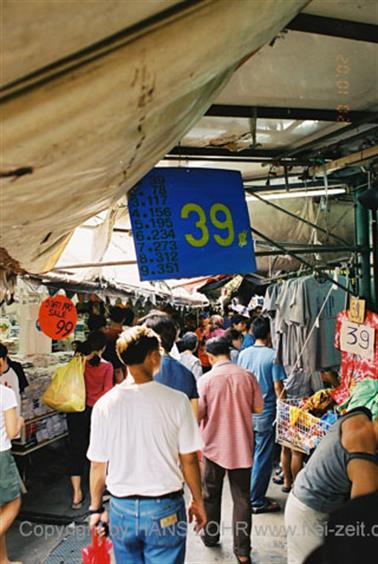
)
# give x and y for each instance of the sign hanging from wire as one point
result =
(191, 222)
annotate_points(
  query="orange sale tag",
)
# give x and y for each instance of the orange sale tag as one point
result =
(57, 317)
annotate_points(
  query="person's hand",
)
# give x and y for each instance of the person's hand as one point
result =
(21, 422)
(197, 512)
(95, 519)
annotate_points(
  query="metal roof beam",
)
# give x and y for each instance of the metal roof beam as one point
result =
(222, 152)
(335, 139)
(231, 157)
(211, 152)
(272, 112)
(335, 28)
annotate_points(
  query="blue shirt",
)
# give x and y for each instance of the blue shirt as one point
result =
(260, 361)
(175, 375)
(248, 341)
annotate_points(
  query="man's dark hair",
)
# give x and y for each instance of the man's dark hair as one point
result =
(188, 342)
(82, 347)
(261, 328)
(3, 351)
(134, 344)
(117, 314)
(164, 326)
(237, 318)
(96, 322)
(96, 341)
(232, 335)
(218, 346)
(129, 316)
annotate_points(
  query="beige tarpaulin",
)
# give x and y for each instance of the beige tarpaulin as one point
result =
(78, 134)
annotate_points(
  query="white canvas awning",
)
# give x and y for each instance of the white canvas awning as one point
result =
(94, 94)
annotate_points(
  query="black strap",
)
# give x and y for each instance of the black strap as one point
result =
(363, 456)
(362, 410)
(97, 511)
(170, 495)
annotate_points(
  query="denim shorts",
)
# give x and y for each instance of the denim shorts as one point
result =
(10, 481)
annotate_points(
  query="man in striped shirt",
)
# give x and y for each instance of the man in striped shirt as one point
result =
(228, 397)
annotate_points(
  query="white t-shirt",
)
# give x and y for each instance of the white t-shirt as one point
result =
(10, 379)
(7, 401)
(140, 429)
(174, 352)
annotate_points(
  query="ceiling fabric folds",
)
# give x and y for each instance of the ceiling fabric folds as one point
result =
(80, 132)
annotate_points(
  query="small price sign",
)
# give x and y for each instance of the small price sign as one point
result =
(191, 222)
(57, 317)
(357, 339)
(356, 312)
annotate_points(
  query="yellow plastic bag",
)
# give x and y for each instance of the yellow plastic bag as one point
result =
(66, 391)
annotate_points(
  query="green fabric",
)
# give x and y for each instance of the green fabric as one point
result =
(9, 478)
(365, 394)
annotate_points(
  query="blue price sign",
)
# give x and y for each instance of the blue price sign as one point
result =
(191, 222)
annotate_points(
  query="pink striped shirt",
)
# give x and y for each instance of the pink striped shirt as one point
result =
(228, 396)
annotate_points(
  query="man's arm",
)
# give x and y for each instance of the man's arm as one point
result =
(97, 483)
(279, 377)
(13, 423)
(194, 403)
(97, 479)
(278, 388)
(364, 477)
(191, 472)
(358, 436)
(257, 399)
(202, 405)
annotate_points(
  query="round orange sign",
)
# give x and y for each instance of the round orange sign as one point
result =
(57, 317)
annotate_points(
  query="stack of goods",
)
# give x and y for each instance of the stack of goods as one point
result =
(301, 424)
(41, 431)
(41, 423)
(39, 370)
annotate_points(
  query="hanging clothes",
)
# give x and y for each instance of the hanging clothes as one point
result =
(303, 313)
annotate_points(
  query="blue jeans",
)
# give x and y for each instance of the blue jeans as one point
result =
(263, 457)
(148, 531)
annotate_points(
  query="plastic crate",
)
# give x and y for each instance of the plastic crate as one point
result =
(297, 428)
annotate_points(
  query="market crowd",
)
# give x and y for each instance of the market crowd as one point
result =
(173, 403)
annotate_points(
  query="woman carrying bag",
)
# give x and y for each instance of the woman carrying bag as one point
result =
(98, 377)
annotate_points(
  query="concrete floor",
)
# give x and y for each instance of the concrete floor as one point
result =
(32, 543)
(49, 494)
(268, 536)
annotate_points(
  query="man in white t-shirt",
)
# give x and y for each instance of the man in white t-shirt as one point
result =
(144, 443)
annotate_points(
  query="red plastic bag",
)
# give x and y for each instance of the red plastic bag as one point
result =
(98, 552)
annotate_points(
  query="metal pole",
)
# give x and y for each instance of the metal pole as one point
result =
(362, 241)
(310, 249)
(300, 259)
(374, 226)
(291, 214)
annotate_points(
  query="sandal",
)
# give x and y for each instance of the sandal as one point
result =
(79, 504)
(286, 489)
(278, 479)
(269, 506)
